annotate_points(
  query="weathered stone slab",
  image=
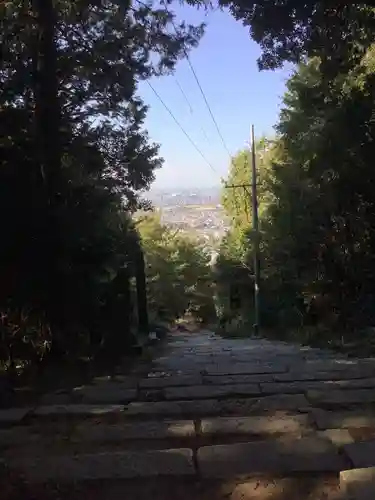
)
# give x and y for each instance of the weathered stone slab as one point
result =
(56, 399)
(202, 407)
(344, 420)
(301, 375)
(360, 383)
(331, 365)
(367, 362)
(256, 425)
(106, 393)
(341, 397)
(315, 385)
(172, 381)
(77, 409)
(138, 430)
(102, 379)
(291, 488)
(244, 368)
(257, 360)
(281, 402)
(13, 415)
(211, 391)
(173, 408)
(185, 367)
(358, 484)
(294, 376)
(151, 395)
(125, 465)
(276, 456)
(361, 454)
(126, 381)
(288, 387)
(15, 436)
(338, 437)
(258, 489)
(237, 379)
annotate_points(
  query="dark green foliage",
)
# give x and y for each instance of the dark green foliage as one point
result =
(74, 158)
(179, 278)
(337, 31)
(317, 207)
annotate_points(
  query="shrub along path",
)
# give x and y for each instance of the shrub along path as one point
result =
(214, 418)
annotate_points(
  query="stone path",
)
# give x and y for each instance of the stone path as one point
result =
(214, 418)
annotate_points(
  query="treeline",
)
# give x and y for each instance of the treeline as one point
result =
(178, 271)
(316, 181)
(75, 159)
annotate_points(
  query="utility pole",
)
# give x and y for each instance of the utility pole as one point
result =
(256, 235)
(255, 232)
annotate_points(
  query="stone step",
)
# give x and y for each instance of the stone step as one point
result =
(170, 381)
(358, 484)
(15, 436)
(110, 465)
(337, 365)
(354, 419)
(335, 398)
(309, 455)
(119, 432)
(270, 426)
(110, 393)
(13, 415)
(350, 374)
(238, 379)
(361, 454)
(316, 385)
(153, 434)
(211, 392)
(252, 426)
(321, 487)
(244, 369)
(216, 407)
(84, 410)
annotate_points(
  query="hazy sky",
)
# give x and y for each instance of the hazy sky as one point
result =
(225, 63)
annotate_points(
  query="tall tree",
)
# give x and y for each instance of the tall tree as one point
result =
(317, 225)
(337, 31)
(178, 272)
(75, 155)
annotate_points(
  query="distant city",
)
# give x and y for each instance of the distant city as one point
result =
(197, 212)
(178, 197)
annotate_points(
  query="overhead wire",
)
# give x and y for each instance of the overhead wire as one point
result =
(163, 2)
(237, 211)
(190, 106)
(181, 128)
(199, 84)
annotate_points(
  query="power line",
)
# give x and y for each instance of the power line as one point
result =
(175, 78)
(190, 106)
(199, 85)
(187, 100)
(185, 96)
(181, 127)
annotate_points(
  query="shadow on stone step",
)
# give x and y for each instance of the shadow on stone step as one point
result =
(260, 488)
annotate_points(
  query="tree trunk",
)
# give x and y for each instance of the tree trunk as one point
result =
(47, 106)
(47, 121)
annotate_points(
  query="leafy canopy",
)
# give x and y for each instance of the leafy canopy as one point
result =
(178, 272)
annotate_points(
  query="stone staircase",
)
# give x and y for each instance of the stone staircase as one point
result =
(213, 419)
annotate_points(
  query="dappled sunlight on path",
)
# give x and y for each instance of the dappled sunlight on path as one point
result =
(213, 418)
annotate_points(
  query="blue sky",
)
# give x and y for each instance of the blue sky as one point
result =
(225, 63)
